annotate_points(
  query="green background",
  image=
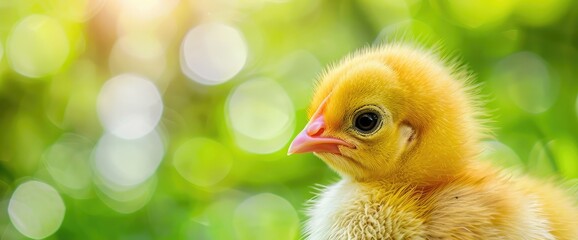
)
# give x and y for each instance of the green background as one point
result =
(217, 165)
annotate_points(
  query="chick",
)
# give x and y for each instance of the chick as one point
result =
(402, 128)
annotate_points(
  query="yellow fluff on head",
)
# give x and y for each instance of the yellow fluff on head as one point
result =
(403, 128)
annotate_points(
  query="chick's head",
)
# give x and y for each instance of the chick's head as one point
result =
(392, 113)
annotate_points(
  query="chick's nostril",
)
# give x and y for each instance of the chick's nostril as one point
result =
(315, 130)
(316, 127)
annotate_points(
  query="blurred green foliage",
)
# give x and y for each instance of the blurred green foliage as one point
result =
(233, 90)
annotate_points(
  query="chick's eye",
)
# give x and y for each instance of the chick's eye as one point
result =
(366, 122)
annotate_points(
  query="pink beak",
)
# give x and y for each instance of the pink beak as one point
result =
(310, 139)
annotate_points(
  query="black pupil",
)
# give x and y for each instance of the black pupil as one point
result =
(366, 121)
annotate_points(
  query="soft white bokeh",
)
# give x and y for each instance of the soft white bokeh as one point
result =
(528, 81)
(202, 161)
(261, 115)
(125, 162)
(129, 106)
(36, 209)
(212, 53)
(266, 216)
(68, 162)
(37, 46)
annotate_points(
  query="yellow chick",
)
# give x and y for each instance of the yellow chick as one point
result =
(403, 129)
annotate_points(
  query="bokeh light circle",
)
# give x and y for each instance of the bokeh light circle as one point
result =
(126, 162)
(212, 53)
(37, 46)
(202, 161)
(68, 162)
(528, 81)
(261, 115)
(129, 106)
(36, 209)
(266, 216)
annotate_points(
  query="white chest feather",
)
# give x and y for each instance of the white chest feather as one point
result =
(346, 211)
